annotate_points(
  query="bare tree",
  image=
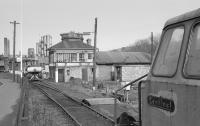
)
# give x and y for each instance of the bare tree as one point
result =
(143, 45)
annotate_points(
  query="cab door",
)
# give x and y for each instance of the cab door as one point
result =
(160, 92)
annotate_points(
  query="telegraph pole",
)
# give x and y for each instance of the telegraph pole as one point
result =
(14, 36)
(94, 59)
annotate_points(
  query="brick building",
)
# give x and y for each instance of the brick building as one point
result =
(71, 58)
(122, 66)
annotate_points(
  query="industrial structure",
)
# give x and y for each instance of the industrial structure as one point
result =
(31, 53)
(6, 47)
(42, 52)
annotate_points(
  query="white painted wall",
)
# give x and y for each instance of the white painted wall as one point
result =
(75, 72)
(131, 72)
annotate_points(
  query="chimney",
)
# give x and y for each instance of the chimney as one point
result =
(89, 42)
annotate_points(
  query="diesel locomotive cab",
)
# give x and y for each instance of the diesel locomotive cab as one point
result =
(171, 94)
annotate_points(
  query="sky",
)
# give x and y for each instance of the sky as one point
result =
(120, 22)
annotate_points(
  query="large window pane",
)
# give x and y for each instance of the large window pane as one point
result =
(192, 67)
(73, 57)
(59, 57)
(168, 55)
(66, 57)
(81, 57)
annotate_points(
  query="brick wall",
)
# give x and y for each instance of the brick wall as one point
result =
(103, 72)
(131, 72)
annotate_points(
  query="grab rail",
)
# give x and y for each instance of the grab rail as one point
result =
(139, 95)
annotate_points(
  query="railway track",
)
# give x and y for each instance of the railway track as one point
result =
(80, 114)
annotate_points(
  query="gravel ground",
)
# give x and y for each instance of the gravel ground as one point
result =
(79, 92)
(43, 112)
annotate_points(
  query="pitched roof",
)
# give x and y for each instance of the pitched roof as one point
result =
(184, 17)
(71, 44)
(122, 58)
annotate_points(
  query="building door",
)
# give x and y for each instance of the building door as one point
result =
(119, 73)
(60, 75)
(84, 74)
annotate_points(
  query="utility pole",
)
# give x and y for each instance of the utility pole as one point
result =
(94, 58)
(151, 46)
(14, 36)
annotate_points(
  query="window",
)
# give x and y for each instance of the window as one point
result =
(168, 54)
(66, 57)
(191, 67)
(81, 57)
(59, 57)
(73, 57)
(89, 55)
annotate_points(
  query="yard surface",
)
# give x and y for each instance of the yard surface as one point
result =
(79, 91)
(9, 96)
(43, 112)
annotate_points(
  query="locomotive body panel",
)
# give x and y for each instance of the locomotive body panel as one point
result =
(171, 93)
(170, 104)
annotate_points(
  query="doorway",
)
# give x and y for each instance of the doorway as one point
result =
(60, 75)
(84, 74)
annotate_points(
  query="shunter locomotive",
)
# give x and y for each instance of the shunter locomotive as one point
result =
(171, 94)
(34, 72)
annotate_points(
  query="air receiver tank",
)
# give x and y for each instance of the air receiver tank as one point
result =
(34, 69)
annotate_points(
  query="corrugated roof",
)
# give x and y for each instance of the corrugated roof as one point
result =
(122, 58)
(71, 44)
(184, 17)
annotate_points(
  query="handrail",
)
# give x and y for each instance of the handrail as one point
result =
(115, 95)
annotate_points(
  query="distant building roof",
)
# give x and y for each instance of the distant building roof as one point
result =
(184, 17)
(110, 58)
(71, 40)
(71, 45)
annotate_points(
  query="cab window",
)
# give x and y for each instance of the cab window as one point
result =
(191, 67)
(168, 53)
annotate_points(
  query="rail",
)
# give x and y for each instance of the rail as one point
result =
(74, 100)
(139, 96)
(100, 114)
(64, 110)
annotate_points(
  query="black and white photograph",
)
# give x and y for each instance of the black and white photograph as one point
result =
(99, 63)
